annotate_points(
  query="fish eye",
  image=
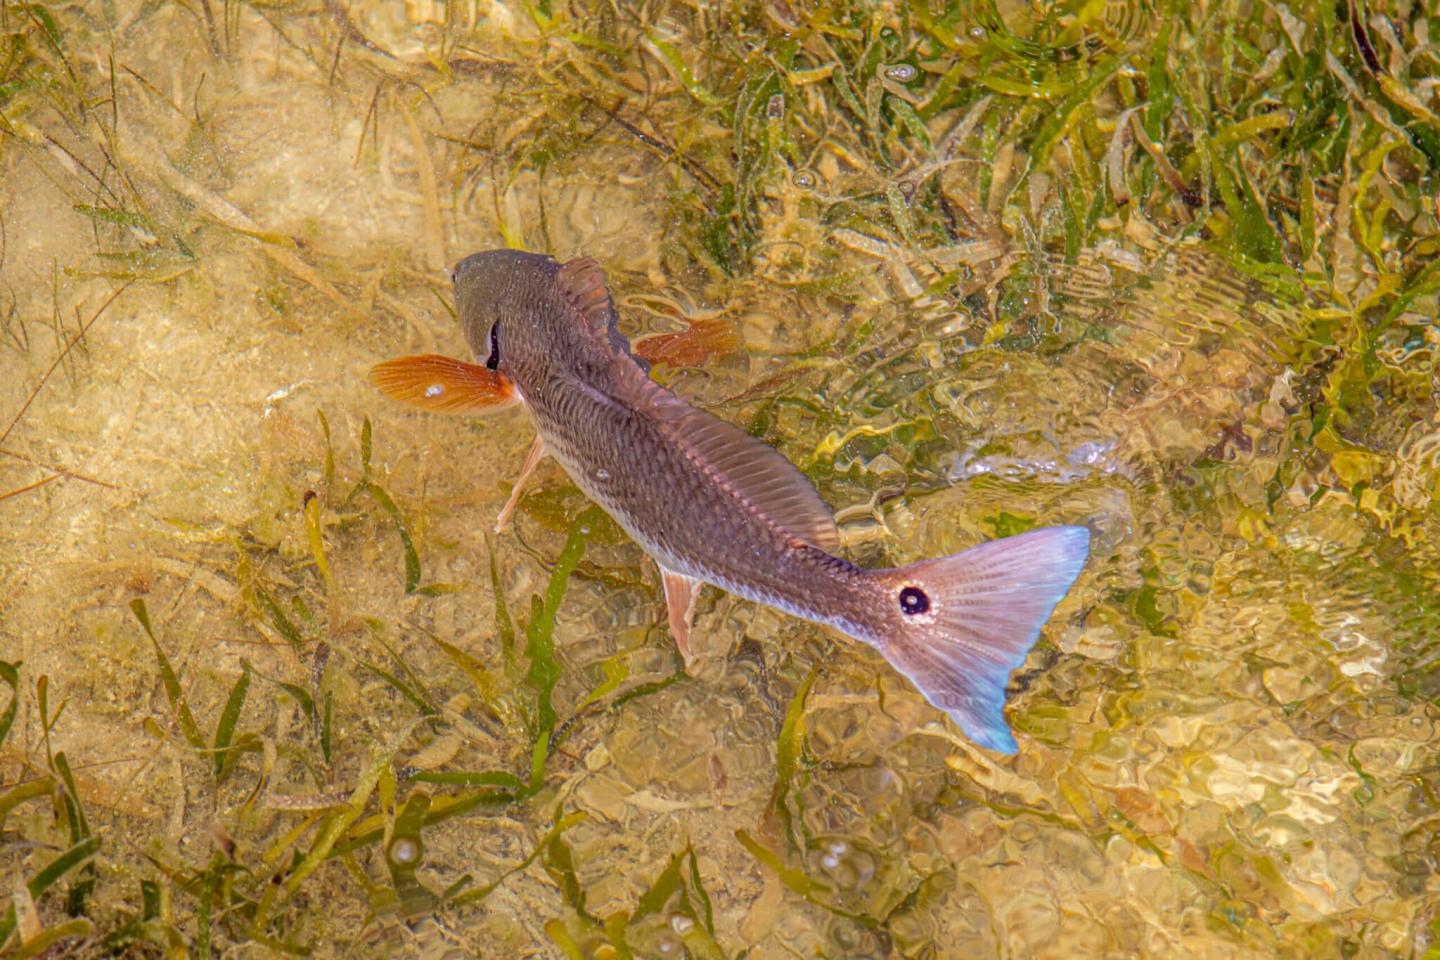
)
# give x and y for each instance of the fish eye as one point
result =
(493, 361)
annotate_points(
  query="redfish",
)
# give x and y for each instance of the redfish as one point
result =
(712, 504)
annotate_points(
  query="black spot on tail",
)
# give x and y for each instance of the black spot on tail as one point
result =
(914, 601)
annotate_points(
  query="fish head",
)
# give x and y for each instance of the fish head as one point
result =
(510, 312)
(530, 321)
(530, 317)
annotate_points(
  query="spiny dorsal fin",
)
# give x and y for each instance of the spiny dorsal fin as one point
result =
(761, 475)
(583, 283)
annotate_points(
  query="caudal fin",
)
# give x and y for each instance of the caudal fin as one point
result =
(966, 621)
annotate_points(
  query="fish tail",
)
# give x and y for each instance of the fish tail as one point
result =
(967, 620)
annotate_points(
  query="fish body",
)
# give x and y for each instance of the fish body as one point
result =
(712, 504)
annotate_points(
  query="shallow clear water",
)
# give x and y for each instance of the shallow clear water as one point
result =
(1227, 733)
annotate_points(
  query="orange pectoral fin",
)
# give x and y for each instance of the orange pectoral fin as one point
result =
(444, 384)
(704, 339)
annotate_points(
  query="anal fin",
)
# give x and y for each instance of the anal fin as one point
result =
(681, 592)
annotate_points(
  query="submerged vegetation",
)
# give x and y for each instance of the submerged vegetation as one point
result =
(1169, 269)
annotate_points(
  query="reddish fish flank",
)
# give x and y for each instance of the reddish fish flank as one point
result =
(711, 504)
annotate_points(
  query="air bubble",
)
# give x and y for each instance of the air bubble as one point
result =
(901, 72)
(681, 924)
(804, 179)
(830, 861)
(602, 474)
(405, 850)
(977, 33)
(434, 390)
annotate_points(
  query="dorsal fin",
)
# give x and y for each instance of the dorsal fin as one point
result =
(758, 473)
(583, 283)
(753, 469)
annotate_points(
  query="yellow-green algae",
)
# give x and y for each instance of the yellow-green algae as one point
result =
(1167, 269)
